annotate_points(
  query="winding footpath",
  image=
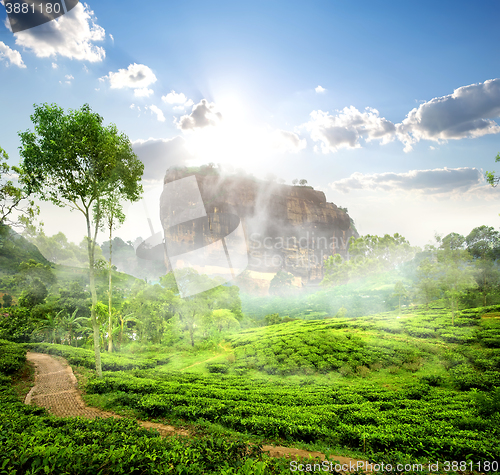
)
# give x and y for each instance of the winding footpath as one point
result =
(56, 389)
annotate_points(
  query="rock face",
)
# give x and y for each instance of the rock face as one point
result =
(290, 228)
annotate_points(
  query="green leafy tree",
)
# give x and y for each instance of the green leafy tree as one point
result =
(427, 285)
(123, 321)
(7, 300)
(151, 306)
(14, 196)
(34, 294)
(71, 324)
(72, 160)
(335, 271)
(272, 319)
(281, 283)
(400, 292)
(483, 244)
(109, 212)
(456, 273)
(224, 318)
(491, 178)
(49, 326)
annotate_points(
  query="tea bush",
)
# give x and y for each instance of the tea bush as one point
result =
(31, 442)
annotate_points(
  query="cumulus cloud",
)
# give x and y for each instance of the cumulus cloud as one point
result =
(69, 78)
(204, 114)
(11, 56)
(347, 128)
(136, 76)
(177, 98)
(320, 89)
(287, 142)
(467, 113)
(158, 112)
(71, 35)
(160, 154)
(436, 181)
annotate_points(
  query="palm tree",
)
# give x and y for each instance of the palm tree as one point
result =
(49, 326)
(71, 323)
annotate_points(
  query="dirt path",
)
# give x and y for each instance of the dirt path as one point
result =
(56, 389)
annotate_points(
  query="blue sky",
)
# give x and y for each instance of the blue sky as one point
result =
(389, 108)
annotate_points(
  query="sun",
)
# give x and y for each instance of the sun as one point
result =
(233, 141)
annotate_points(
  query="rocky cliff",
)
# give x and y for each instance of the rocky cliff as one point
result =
(290, 228)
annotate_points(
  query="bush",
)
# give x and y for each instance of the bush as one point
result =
(432, 380)
(486, 403)
(363, 371)
(12, 357)
(217, 368)
(16, 325)
(86, 358)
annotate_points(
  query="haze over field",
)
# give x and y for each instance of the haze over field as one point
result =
(392, 110)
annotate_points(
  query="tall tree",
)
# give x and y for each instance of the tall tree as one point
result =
(400, 292)
(483, 244)
(427, 285)
(109, 212)
(456, 273)
(71, 159)
(14, 196)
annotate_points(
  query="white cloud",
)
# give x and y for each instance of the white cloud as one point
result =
(136, 76)
(436, 181)
(158, 112)
(112, 37)
(174, 98)
(177, 98)
(54, 65)
(288, 142)
(467, 113)
(320, 89)
(69, 78)
(71, 35)
(348, 127)
(143, 92)
(204, 114)
(11, 56)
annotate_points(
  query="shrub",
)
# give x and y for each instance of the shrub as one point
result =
(432, 380)
(217, 368)
(486, 403)
(345, 370)
(363, 371)
(12, 357)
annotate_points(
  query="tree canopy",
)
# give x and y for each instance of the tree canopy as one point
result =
(72, 159)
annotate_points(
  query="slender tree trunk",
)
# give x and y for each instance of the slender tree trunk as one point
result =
(110, 289)
(93, 316)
